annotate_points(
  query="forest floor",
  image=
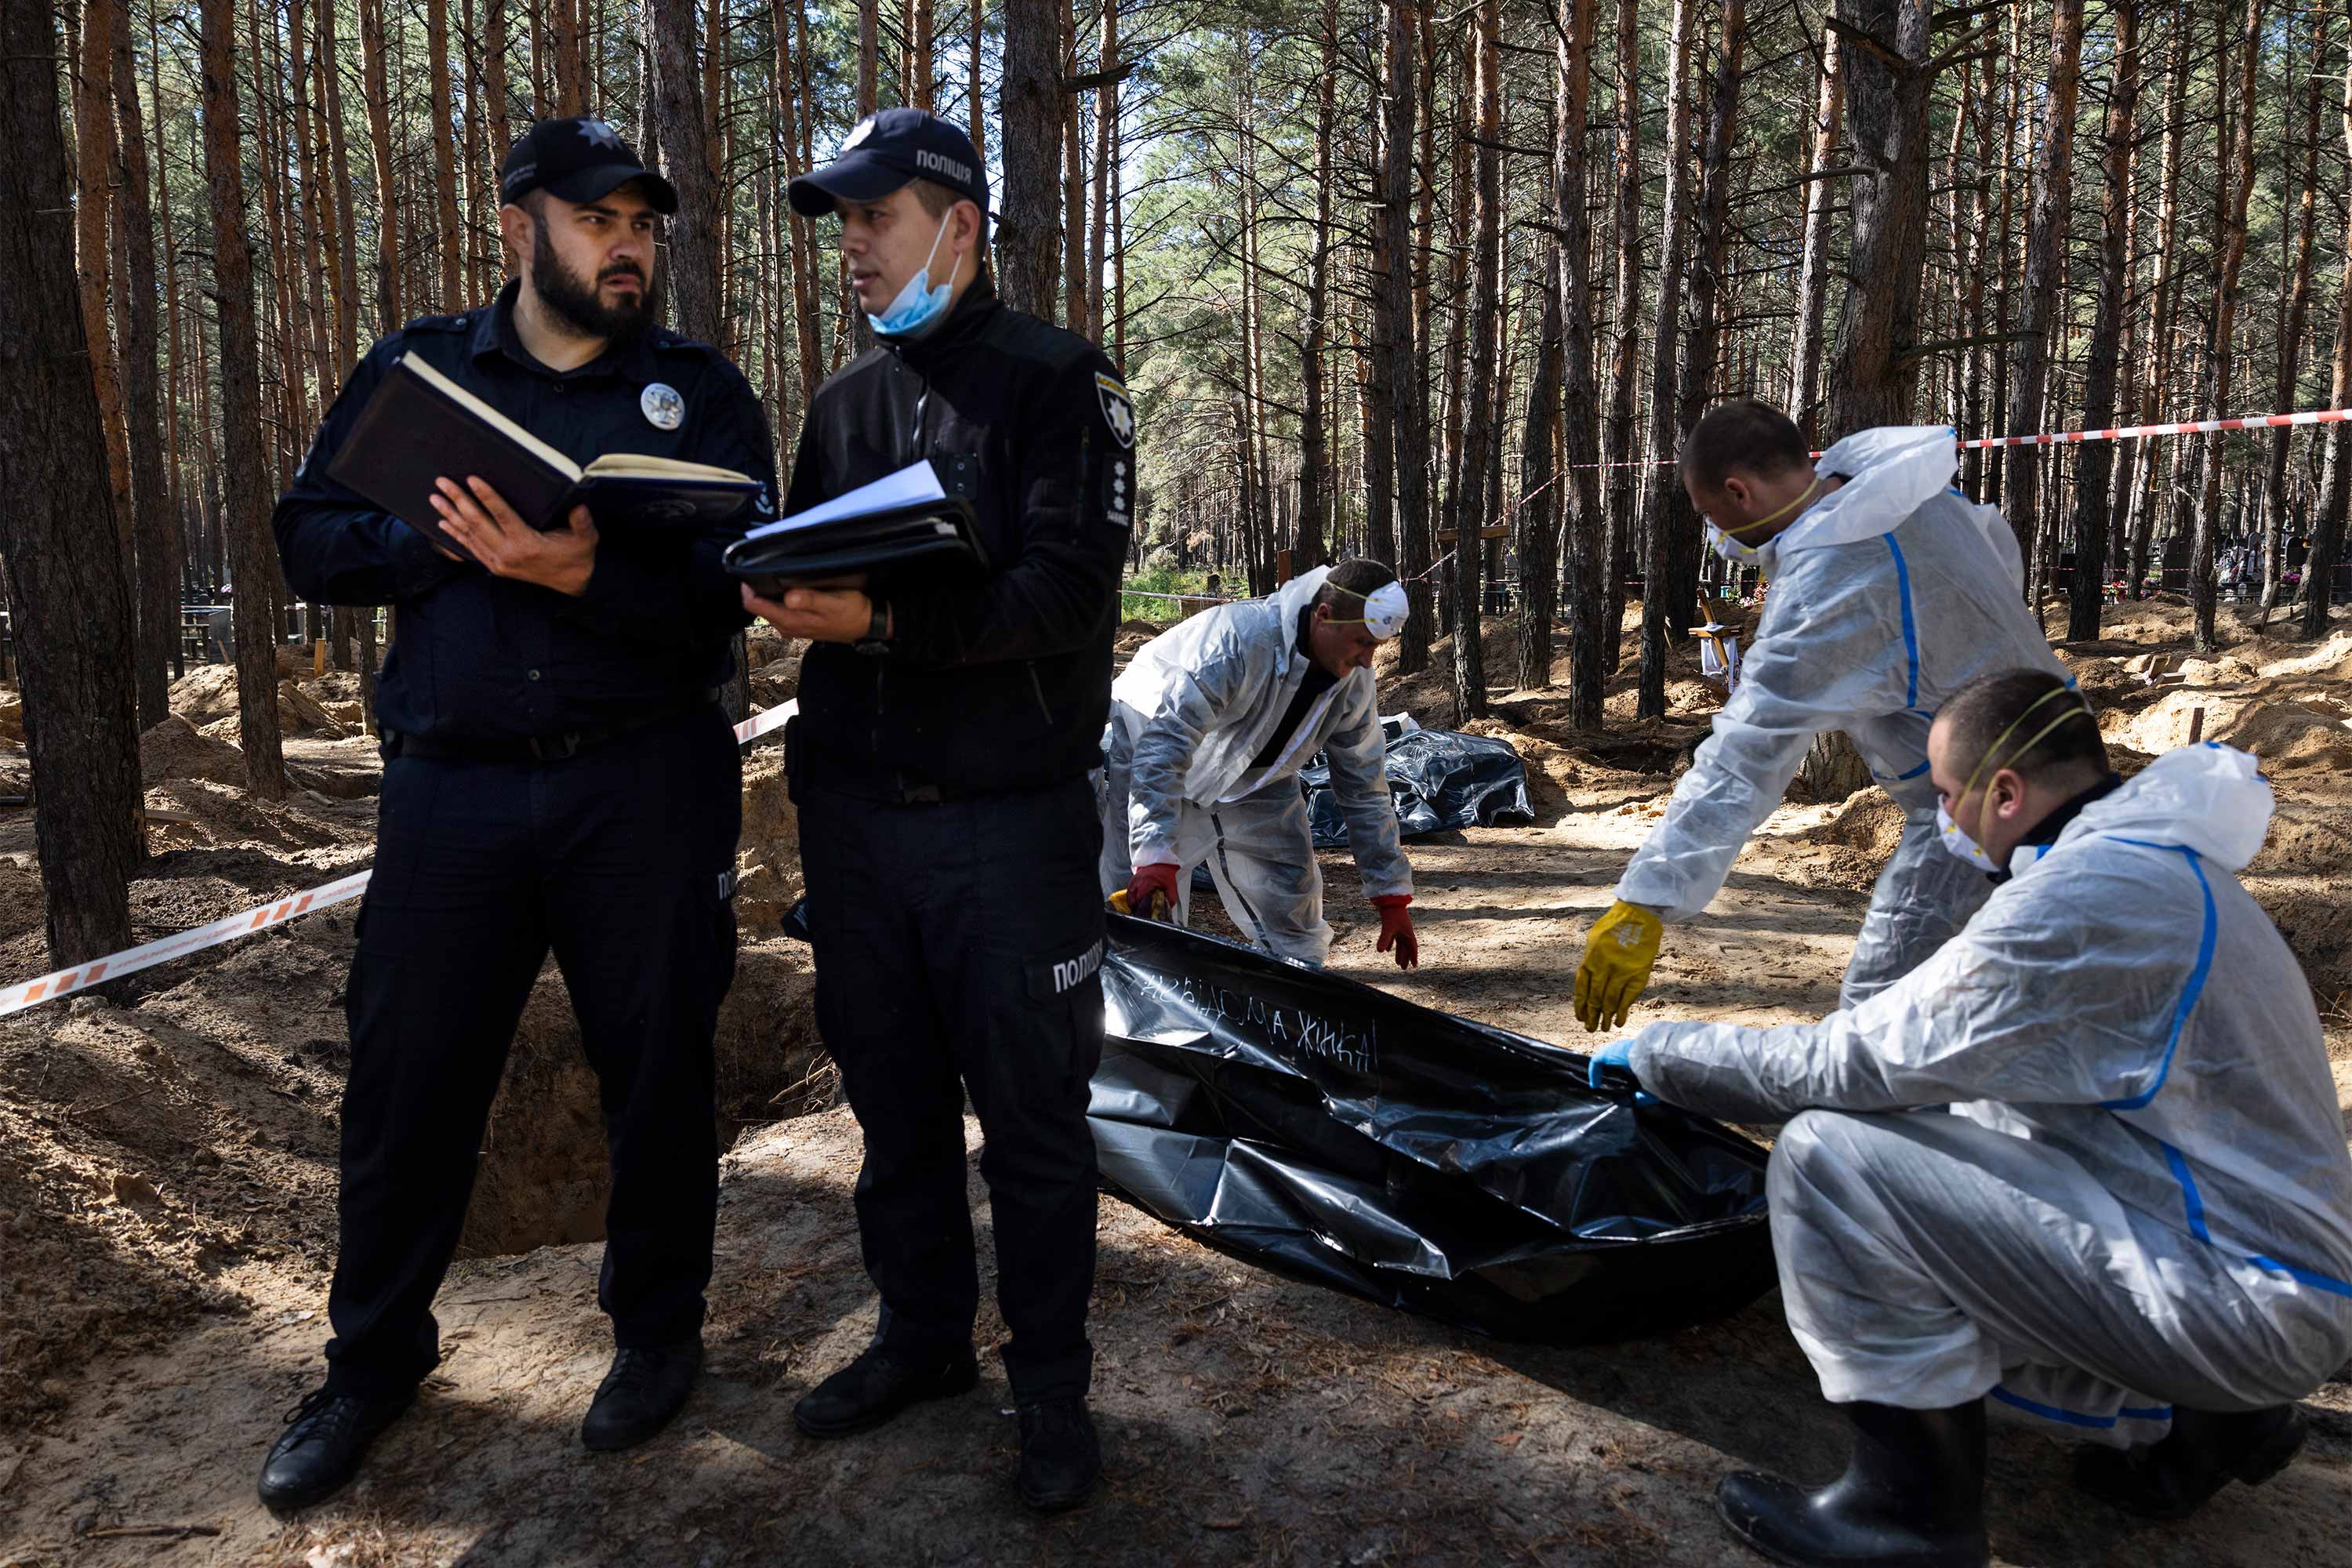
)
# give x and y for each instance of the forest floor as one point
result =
(167, 1219)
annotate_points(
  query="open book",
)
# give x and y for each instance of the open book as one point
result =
(421, 426)
(912, 520)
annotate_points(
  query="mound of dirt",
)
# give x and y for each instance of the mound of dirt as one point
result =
(175, 748)
(12, 717)
(768, 856)
(1869, 821)
(206, 694)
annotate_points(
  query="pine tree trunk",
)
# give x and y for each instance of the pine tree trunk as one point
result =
(93, 103)
(1870, 381)
(1812, 275)
(673, 27)
(2086, 588)
(66, 588)
(1590, 633)
(1649, 700)
(1622, 452)
(1309, 549)
(2164, 310)
(154, 533)
(1074, 179)
(378, 92)
(253, 557)
(1028, 233)
(2335, 471)
(1695, 375)
(2237, 186)
(1483, 427)
(2299, 308)
(445, 154)
(2045, 271)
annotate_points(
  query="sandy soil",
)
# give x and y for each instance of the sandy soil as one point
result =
(166, 1222)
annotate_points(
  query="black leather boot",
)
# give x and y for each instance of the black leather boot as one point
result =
(2205, 1451)
(639, 1396)
(324, 1440)
(1912, 1496)
(1060, 1460)
(878, 1386)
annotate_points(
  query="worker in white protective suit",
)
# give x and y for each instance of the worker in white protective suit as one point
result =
(2135, 1223)
(1889, 589)
(1210, 724)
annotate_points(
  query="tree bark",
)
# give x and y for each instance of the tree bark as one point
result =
(1483, 427)
(444, 152)
(1307, 547)
(1031, 104)
(377, 90)
(2229, 264)
(1074, 178)
(685, 127)
(2299, 308)
(1870, 381)
(93, 104)
(2336, 470)
(67, 587)
(154, 532)
(1812, 275)
(2165, 309)
(1695, 374)
(1590, 633)
(1407, 370)
(2045, 272)
(1649, 700)
(2086, 588)
(253, 559)
(1623, 472)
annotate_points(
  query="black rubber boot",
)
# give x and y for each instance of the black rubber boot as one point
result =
(1912, 1496)
(878, 1386)
(2205, 1451)
(1060, 1458)
(641, 1393)
(325, 1438)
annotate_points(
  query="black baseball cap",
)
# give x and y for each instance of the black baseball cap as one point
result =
(580, 159)
(886, 151)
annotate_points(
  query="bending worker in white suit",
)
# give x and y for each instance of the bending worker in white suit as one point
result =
(1889, 589)
(2137, 1214)
(1209, 726)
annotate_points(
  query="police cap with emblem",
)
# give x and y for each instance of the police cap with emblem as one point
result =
(885, 152)
(578, 160)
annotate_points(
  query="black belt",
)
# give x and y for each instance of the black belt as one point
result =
(553, 748)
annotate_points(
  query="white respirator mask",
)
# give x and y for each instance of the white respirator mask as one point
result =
(1385, 611)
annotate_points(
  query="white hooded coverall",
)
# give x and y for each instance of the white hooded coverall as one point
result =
(2141, 1195)
(1188, 716)
(1885, 596)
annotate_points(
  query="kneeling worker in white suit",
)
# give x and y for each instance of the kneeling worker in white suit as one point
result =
(1210, 724)
(2138, 1212)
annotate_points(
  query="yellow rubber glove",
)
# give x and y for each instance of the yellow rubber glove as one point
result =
(1618, 955)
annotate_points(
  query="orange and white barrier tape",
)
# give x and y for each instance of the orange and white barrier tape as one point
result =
(261, 917)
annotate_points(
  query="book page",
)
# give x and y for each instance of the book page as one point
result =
(492, 418)
(640, 465)
(914, 483)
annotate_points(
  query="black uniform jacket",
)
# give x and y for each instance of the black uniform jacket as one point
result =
(478, 657)
(1004, 683)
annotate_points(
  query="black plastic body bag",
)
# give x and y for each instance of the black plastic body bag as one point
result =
(1438, 780)
(1334, 1134)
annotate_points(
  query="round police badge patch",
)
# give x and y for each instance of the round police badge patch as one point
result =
(664, 408)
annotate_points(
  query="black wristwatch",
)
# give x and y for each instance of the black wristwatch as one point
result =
(877, 640)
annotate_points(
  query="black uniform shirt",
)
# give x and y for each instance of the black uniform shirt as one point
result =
(484, 657)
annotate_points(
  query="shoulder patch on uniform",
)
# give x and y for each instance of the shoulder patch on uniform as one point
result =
(1119, 408)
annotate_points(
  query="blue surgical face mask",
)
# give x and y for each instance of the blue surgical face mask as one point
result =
(918, 304)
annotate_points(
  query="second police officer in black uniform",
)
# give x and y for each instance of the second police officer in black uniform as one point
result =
(558, 774)
(947, 827)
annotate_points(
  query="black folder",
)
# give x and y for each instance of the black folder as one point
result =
(420, 425)
(937, 537)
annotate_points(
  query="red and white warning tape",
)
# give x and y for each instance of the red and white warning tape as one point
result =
(2190, 427)
(48, 987)
(2116, 433)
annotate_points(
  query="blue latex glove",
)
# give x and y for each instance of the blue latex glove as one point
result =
(1617, 1054)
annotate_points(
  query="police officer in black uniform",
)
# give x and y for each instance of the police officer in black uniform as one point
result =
(557, 774)
(947, 826)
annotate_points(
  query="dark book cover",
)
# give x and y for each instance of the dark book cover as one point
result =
(421, 426)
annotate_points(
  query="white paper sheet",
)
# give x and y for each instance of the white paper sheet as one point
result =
(912, 484)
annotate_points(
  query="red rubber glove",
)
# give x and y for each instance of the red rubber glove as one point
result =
(1148, 882)
(1396, 929)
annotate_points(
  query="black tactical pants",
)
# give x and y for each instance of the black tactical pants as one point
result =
(619, 859)
(957, 946)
